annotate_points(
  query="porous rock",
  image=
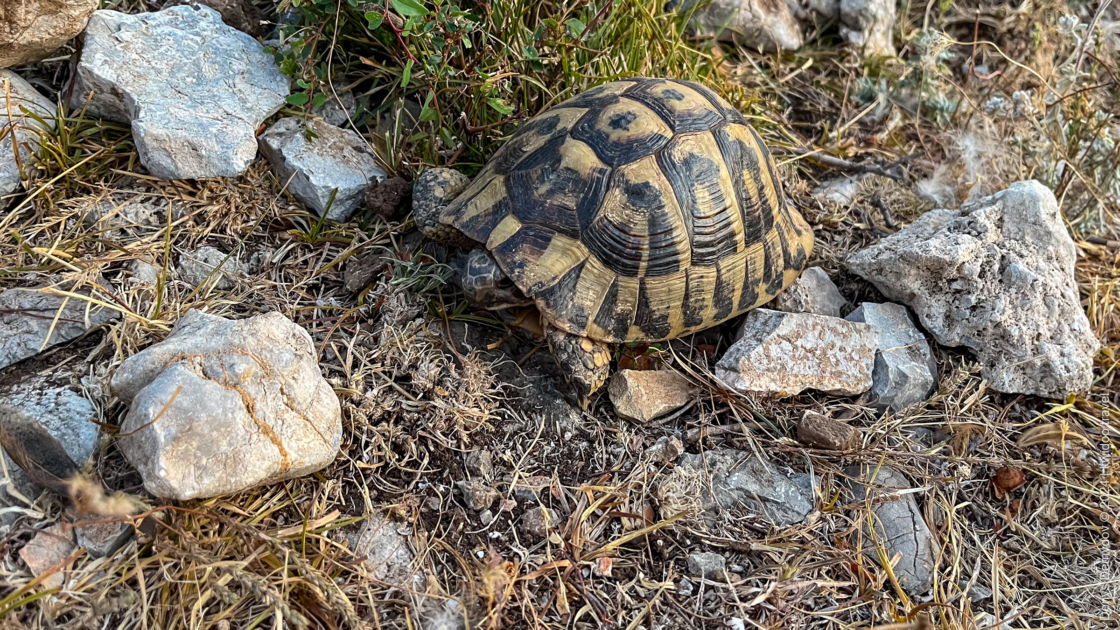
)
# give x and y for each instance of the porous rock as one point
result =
(383, 551)
(242, 15)
(198, 266)
(194, 89)
(29, 316)
(47, 550)
(734, 478)
(30, 30)
(785, 353)
(390, 199)
(766, 24)
(899, 526)
(813, 292)
(997, 277)
(643, 395)
(821, 431)
(706, 564)
(330, 161)
(905, 372)
(221, 406)
(26, 102)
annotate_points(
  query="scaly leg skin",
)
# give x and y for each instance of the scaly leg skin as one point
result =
(434, 190)
(586, 363)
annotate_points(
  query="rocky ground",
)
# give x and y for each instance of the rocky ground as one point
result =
(214, 298)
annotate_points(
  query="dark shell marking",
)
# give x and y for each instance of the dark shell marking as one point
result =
(643, 209)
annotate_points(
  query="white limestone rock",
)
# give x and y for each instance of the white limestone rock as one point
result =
(26, 103)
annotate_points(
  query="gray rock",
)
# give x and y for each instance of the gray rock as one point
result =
(337, 110)
(145, 273)
(334, 162)
(102, 538)
(685, 587)
(221, 406)
(27, 316)
(736, 478)
(198, 266)
(868, 24)
(707, 565)
(242, 15)
(26, 102)
(997, 277)
(643, 395)
(114, 218)
(477, 495)
(667, 449)
(65, 414)
(536, 521)
(899, 526)
(47, 550)
(384, 552)
(753, 23)
(783, 354)
(481, 463)
(813, 292)
(905, 372)
(30, 30)
(194, 89)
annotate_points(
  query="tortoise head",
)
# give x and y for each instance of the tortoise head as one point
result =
(484, 282)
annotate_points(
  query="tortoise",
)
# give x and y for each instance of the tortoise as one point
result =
(640, 210)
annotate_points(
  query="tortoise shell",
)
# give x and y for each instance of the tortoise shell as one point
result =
(640, 210)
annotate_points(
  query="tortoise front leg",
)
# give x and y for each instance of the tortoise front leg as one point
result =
(586, 363)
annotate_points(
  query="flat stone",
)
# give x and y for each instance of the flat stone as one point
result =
(194, 89)
(643, 395)
(220, 406)
(812, 292)
(362, 271)
(102, 538)
(145, 273)
(899, 526)
(330, 161)
(784, 354)
(750, 23)
(26, 102)
(30, 30)
(820, 431)
(707, 565)
(737, 479)
(198, 266)
(384, 552)
(536, 521)
(48, 549)
(337, 110)
(905, 372)
(997, 277)
(477, 495)
(242, 15)
(28, 316)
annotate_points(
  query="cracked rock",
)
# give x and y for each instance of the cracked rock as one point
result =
(784, 354)
(330, 161)
(905, 372)
(642, 395)
(734, 478)
(997, 277)
(221, 406)
(813, 292)
(194, 89)
(30, 30)
(26, 102)
(28, 316)
(899, 526)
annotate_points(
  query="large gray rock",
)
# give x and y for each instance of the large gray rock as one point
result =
(813, 292)
(26, 102)
(899, 526)
(734, 479)
(29, 316)
(783, 354)
(31, 30)
(194, 89)
(905, 372)
(868, 24)
(767, 24)
(220, 406)
(314, 168)
(997, 277)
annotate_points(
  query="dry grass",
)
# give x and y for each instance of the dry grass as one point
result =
(422, 388)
